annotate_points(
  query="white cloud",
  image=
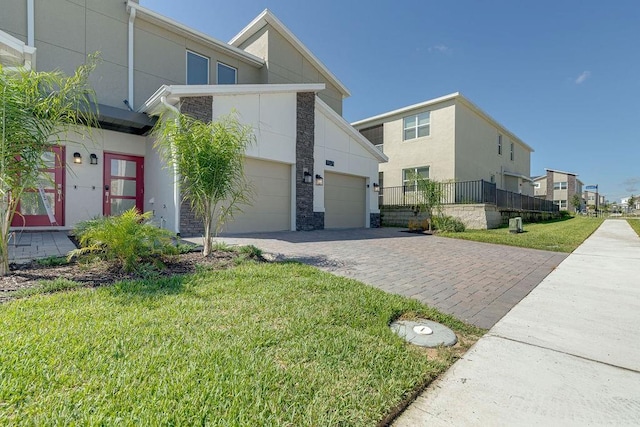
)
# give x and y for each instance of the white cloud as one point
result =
(583, 77)
(440, 48)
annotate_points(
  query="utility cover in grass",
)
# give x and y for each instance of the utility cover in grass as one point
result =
(424, 333)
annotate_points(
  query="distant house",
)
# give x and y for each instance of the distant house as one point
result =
(560, 187)
(310, 169)
(448, 139)
(590, 198)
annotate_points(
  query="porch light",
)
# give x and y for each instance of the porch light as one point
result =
(306, 177)
(77, 158)
(376, 187)
(93, 159)
(319, 180)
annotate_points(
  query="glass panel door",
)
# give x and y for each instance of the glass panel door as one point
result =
(123, 183)
(44, 205)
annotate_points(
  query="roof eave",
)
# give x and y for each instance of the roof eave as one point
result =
(157, 18)
(266, 17)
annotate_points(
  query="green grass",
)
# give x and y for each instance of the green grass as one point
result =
(259, 344)
(559, 236)
(48, 286)
(635, 224)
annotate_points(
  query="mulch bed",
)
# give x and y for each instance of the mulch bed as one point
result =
(101, 273)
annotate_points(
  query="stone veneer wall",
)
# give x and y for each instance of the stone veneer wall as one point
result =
(306, 218)
(375, 220)
(549, 185)
(571, 190)
(201, 108)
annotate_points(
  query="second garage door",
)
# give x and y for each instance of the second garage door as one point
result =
(271, 205)
(344, 201)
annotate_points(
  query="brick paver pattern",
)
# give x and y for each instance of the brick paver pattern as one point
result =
(475, 282)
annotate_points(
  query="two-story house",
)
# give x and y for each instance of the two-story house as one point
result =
(309, 168)
(448, 139)
(559, 186)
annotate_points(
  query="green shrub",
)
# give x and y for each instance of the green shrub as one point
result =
(448, 223)
(128, 240)
(565, 214)
(52, 261)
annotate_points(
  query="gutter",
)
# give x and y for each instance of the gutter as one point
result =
(30, 23)
(132, 17)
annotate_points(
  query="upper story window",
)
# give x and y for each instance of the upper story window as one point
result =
(227, 75)
(500, 144)
(416, 126)
(512, 151)
(560, 185)
(410, 176)
(536, 185)
(197, 69)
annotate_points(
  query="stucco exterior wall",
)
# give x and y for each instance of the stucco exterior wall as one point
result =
(436, 150)
(477, 154)
(84, 190)
(285, 64)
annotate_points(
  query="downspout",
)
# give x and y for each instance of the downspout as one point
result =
(30, 24)
(132, 17)
(176, 183)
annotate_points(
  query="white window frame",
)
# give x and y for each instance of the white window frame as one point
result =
(218, 64)
(536, 185)
(561, 203)
(499, 145)
(417, 126)
(186, 63)
(560, 185)
(512, 151)
(413, 183)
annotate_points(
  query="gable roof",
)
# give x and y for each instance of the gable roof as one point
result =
(158, 19)
(266, 17)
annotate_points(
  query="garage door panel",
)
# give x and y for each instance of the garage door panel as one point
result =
(270, 208)
(344, 201)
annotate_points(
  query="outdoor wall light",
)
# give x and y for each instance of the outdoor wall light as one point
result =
(319, 180)
(93, 159)
(77, 158)
(306, 177)
(376, 187)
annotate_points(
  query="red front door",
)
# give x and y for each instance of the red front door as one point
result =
(44, 206)
(123, 183)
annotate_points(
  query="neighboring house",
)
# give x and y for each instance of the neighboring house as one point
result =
(448, 139)
(624, 203)
(560, 187)
(591, 196)
(310, 169)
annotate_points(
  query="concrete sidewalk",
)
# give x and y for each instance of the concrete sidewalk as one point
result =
(567, 354)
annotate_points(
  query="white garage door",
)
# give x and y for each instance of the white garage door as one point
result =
(344, 201)
(271, 206)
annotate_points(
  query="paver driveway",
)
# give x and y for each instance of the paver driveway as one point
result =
(476, 282)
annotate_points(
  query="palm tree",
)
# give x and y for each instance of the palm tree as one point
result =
(209, 160)
(37, 110)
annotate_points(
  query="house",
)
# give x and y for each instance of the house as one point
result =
(309, 168)
(448, 139)
(559, 186)
(590, 198)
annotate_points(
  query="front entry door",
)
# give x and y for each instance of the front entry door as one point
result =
(44, 206)
(123, 183)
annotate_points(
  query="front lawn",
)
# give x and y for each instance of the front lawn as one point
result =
(635, 224)
(559, 236)
(258, 344)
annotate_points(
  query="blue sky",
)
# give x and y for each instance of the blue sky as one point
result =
(564, 76)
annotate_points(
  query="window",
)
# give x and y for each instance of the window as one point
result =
(500, 145)
(536, 185)
(560, 185)
(197, 69)
(561, 203)
(416, 126)
(409, 176)
(227, 75)
(512, 156)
